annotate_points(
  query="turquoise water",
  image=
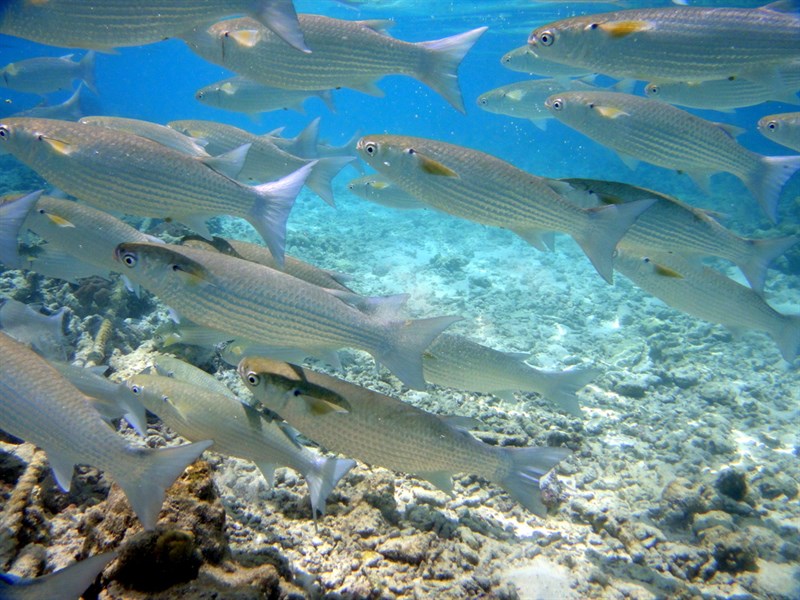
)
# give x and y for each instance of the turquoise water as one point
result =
(679, 401)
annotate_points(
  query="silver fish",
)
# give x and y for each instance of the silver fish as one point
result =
(709, 295)
(118, 23)
(264, 160)
(669, 137)
(525, 60)
(672, 226)
(525, 99)
(48, 74)
(686, 43)
(13, 212)
(195, 412)
(383, 431)
(65, 584)
(482, 188)
(239, 94)
(27, 325)
(729, 93)
(167, 365)
(69, 110)
(47, 410)
(118, 171)
(458, 362)
(379, 189)
(782, 128)
(248, 49)
(166, 136)
(251, 301)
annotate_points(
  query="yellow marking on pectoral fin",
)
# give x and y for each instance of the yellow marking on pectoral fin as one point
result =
(11, 70)
(515, 95)
(619, 29)
(609, 112)
(38, 2)
(434, 167)
(667, 272)
(319, 407)
(191, 273)
(379, 185)
(228, 88)
(57, 145)
(246, 38)
(60, 221)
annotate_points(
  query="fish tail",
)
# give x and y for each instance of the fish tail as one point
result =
(604, 228)
(323, 477)
(147, 475)
(787, 336)
(327, 97)
(280, 17)
(404, 356)
(560, 387)
(761, 253)
(72, 581)
(12, 216)
(766, 181)
(273, 204)
(438, 69)
(323, 172)
(87, 71)
(528, 465)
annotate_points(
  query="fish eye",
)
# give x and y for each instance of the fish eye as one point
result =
(129, 259)
(296, 392)
(371, 148)
(652, 89)
(646, 259)
(3, 132)
(594, 26)
(136, 389)
(200, 95)
(253, 379)
(546, 38)
(557, 104)
(410, 151)
(591, 104)
(772, 125)
(483, 101)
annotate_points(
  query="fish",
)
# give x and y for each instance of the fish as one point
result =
(111, 399)
(525, 99)
(82, 231)
(264, 160)
(68, 583)
(195, 412)
(479, 187)
(457, 362)
(95, 164)
(166, 365)
(239, 94)
(245, 47)
(54, 263)
(166, 136)
(27, 325)
(672, 226)
(69, 110)
(13, 213)
(47, 74)
(121, 23)
(686, 43)
(383, 431)
(48, 411)
(709, 295)
(729, 93)
(256, 253)
(252, 301)
(524, 60)
(186, 332)
(782, 128)
(379, 189)
(670, 137)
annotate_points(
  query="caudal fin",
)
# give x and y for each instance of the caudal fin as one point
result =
(787, 336)
(281, 17)
(767, 180)
(605, 227)
(560, 387)
(271, 209)
(147, 475)
(69, 582)
(87, 71)
(323, 173)
(12, 216)
(404, 354)
(439, 67)
(760, 255)
(323, 477)
(528, 465)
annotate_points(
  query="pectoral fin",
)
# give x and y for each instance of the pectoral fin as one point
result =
(609, 112)
(246, 38)
(320, 407)
(57, 145)
(431, 166)
(666, 272)
(60, 221)
(620, 29)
